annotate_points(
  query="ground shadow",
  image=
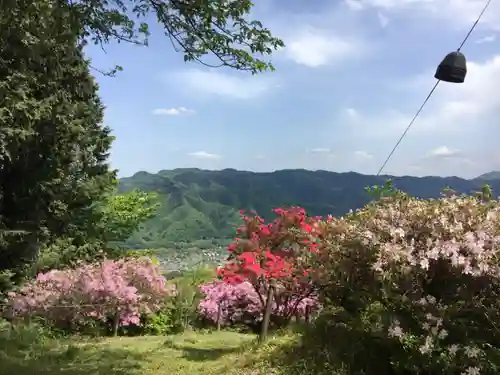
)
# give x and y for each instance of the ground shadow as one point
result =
(206, 354)
(330, 347)
(72, 360)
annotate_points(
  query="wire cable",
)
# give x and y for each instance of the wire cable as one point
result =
(430, 93)
(408, 127)
(475, 24)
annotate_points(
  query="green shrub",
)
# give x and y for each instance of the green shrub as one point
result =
(409, 287)
(417, 283)
(169, 320)
(180, 311)
(23, 340)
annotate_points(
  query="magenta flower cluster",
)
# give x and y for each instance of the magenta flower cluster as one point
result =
(122, 289)
(241, 303)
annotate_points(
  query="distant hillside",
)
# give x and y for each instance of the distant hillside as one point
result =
(495, 175)
(198, 204)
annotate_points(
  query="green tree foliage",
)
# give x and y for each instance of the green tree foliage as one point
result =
(56, 205)
(116, 218)
(53, 148)
(122, 214)
(213, 32)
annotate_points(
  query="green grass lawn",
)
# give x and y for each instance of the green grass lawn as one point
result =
(190, 353)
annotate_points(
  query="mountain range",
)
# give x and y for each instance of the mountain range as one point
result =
(200, 204)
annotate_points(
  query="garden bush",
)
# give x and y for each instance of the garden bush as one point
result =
(168, 320)
(410, 286)
(234, 304)
(229, 304)
(23, 341)
(179, 312)
(117, 291)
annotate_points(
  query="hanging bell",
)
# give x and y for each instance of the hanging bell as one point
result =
(453, 68)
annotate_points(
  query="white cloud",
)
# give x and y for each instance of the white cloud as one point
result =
(354, 4)
(171, 111)
(443, 151)
(382, 19)
(352, 113)
(470, 107)
(314, 48)
(236, 85)
(487, 39)
(457, 12)
(363, 155)
(204, 155)
(320, 150)
(321, 153)
(448, 161)
(384, 123)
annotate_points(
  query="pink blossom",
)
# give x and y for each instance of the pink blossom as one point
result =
(126, 287)
(242, 303)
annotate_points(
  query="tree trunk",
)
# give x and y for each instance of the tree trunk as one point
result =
(267, 314)
(308, 314)
(219, 313)
(116, 323)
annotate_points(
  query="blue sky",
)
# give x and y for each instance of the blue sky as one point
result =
(351, 77)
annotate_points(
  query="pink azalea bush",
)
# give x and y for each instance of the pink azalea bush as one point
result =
(237, 302)
(427, 272)
(241, 303)
(121, 289)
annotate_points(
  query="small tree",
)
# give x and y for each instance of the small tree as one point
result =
(120, 215)
(101, 234)
(276, 260)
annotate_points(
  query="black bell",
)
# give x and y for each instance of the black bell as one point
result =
(453, 68)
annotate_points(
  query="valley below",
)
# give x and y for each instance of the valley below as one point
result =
(199, 209)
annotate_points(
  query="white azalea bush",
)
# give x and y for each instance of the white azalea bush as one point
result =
(419, 280)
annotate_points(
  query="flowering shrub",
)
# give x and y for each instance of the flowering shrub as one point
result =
(278, 254)
(426, 272)
(237, 303)
(113, 289)
(240, 303)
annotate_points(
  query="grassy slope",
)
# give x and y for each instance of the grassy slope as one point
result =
(191, 353)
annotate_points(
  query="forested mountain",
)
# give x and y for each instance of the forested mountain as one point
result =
(198, 203)
(494, 175)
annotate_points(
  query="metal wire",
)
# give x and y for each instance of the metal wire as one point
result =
(430, 93)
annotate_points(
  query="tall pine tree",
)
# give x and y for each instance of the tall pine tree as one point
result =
(53, 146)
